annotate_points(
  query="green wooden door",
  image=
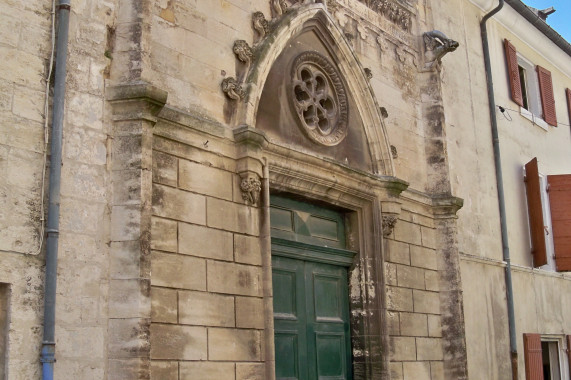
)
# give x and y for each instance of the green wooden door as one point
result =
(311, 307)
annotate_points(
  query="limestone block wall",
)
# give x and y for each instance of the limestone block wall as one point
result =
(207, 314)
(413, 301)
(25, 45)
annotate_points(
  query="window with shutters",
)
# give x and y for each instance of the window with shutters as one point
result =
(549, 212)
(531, 88)
(546, 357)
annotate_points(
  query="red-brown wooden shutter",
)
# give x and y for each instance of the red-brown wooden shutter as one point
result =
(560, 203)
(535, 212)
(533, 358)
(513, 73)
(568, 96)
(547, 98)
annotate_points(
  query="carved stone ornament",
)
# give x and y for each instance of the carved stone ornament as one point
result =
(261, 25)
(368, 73)
(319, 98)
(243, 51)
(251, 188)
(436, 46)
(391, 11)
(389, 222)
(280, 6)
(232, 89)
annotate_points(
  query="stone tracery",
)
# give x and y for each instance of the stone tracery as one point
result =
(319, 98)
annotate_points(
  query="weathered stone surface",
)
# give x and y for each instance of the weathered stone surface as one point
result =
(250, 312)
(412, 324)
(233, 278)
(428, 237)
(247, 371)
(178, 342)
(402, 348)
(235, 345)
(232, 217)
(178, 205)
(434, 326)
(423, 257)
(205, 242)
(398, 252)
(164, 305)
(437, 370)
(206, 371)
(391, 274)
(125, 223)
(407, 232)
(429, 349)
(165, 169)
(178, 271)
(125, 259)
(162, 370)
(410, 277)
(396, 371)
(432, 280)
(247, 250)
(205, 180)
(206, 309)
(164, 234)
(416, 371)
(426, 302)
(130, 338)
(129, 298)
(393, 323)
(399, 299)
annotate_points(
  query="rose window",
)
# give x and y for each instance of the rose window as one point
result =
(319, 98)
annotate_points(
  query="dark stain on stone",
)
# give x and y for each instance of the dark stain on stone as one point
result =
(244, 278)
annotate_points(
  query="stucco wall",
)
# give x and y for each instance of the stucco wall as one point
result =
(538, 294)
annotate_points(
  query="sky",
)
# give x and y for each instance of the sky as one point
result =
(561, 19)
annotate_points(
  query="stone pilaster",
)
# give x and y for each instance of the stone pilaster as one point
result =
(451, 299)
(134, 110)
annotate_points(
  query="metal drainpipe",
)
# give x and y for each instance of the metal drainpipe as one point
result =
(500, 186)
(47, 356)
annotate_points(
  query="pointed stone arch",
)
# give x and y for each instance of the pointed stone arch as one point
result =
(268, 50)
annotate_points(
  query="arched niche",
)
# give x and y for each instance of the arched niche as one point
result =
(310, 28)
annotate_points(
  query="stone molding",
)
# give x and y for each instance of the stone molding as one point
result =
(281, 30)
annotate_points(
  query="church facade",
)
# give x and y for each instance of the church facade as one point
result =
(268, 189)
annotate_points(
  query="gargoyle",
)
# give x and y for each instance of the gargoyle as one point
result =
(436, 46)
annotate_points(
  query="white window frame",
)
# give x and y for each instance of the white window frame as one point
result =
(546, 208)
(562, 354)
(532, 94)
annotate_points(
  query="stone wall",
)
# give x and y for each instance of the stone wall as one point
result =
(413, 303)
(207, 311)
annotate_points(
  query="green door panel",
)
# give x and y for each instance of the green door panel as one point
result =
(310, 292)
(298, 221)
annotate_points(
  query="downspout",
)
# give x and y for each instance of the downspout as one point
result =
(47, 356)
(500, 186)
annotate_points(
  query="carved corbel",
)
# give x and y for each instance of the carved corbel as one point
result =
(280, 7)
(243, 51)
(250, 186)
(389, 222)
(260, 24)
(436, 46)
(250, 143)
(232, 89)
